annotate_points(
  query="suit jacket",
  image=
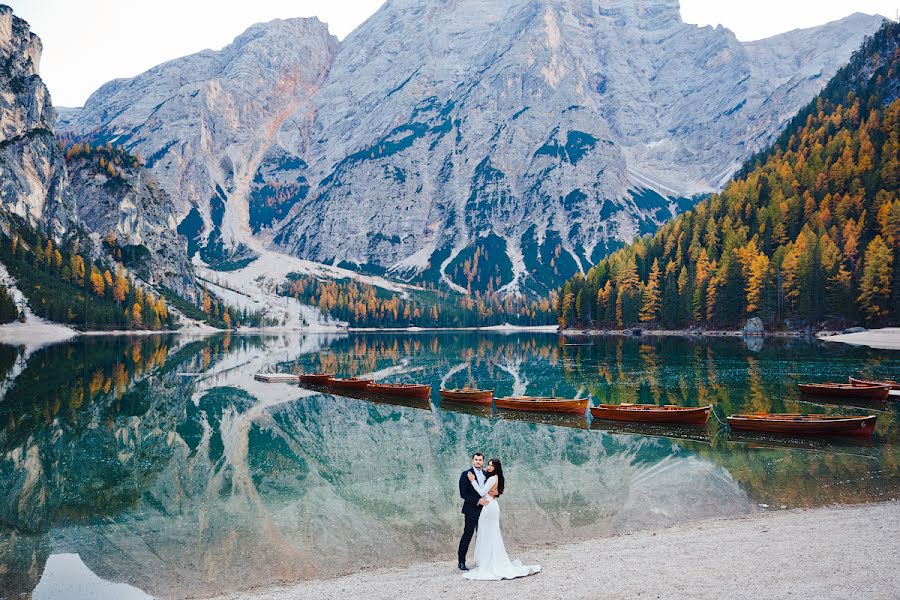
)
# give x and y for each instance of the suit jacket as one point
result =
(468, 494)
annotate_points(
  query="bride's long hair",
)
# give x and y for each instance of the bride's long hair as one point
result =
(498, 471)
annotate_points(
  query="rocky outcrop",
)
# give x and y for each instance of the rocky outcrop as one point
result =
(534, 134)
(33, 183)
(753, 326)
(135, 217)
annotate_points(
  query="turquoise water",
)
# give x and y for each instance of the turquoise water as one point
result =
(159, 464)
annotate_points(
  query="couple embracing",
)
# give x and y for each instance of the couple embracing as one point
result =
(480, 487)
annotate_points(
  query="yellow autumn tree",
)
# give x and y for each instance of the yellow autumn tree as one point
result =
(97, 284)
(650, 301)
(875, 287)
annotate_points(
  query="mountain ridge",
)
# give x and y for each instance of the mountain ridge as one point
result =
(510, 127)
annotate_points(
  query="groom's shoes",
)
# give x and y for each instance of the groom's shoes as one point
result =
(463, 567)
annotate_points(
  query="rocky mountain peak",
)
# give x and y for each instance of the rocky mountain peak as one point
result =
(27, 106)
(535, 135)
(33, 182)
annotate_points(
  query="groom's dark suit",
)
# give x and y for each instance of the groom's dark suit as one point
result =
(471, 509)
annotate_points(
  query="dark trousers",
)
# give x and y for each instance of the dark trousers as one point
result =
(470, 527)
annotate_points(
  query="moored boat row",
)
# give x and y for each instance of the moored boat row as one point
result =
(777, 423)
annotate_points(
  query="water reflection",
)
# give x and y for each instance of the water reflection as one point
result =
(165, 466)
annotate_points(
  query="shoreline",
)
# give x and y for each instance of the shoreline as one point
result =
(803, 553)
(886, 338)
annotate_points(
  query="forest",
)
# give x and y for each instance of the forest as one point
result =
(364, 305)
(65, 282)
(806, 234)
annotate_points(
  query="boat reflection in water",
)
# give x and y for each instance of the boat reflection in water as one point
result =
(753, 439)
(466, 408)
(570, 420)
(674, 431)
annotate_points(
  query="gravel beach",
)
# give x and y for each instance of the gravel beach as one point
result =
(825, 553)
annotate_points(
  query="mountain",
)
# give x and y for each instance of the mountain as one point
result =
(52, 214)
(121, 201)
(501, 144)
(807, 233)
(203, 122)
(33, 181)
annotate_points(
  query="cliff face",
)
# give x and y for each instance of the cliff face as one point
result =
(133, 214)
(71, 194)
(33, 182)
(536, 134)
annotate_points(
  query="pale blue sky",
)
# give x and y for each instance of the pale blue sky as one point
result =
(89, 42)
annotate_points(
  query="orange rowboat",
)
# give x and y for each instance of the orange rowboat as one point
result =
(894, 385)
(350, 383)
(316, 378)
(846, 390)
(804, 424)
(471, 395)
(538, 404)
(648, 413)
(406, 390)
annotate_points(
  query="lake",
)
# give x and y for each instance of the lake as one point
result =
(157, 465)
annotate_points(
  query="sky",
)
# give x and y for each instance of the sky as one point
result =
(89, 42)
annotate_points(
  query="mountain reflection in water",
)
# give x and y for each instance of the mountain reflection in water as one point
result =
(164, 465)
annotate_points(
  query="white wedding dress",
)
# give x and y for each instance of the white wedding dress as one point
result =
(490, 554)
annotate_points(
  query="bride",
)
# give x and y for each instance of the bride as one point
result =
(490, 554)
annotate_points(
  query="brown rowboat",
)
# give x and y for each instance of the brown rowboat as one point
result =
(847, 390)
(539, 404)
(350, 383)
(648, 413)
(894, 385)
(406, 390)
(468, 395)
(316, 378)
(804, 424)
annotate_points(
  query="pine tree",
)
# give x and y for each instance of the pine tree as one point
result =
(650, 300)
(875, 286)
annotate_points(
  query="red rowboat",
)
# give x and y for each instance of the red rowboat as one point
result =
(316, 378)
(406, 390)
(804, 424)
(894, 385)
(847, 390)
(468, 395)
(538, 404)
(350, 383)
(648, 413)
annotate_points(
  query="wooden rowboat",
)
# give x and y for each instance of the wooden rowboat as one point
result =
(894, 385)
(468, 395)
(648, 413)
(406, 390)
(316, 378)
(804, 424)
(349, 383)
(539, 404)
(869, 392)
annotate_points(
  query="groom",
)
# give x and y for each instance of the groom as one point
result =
(471, 505)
